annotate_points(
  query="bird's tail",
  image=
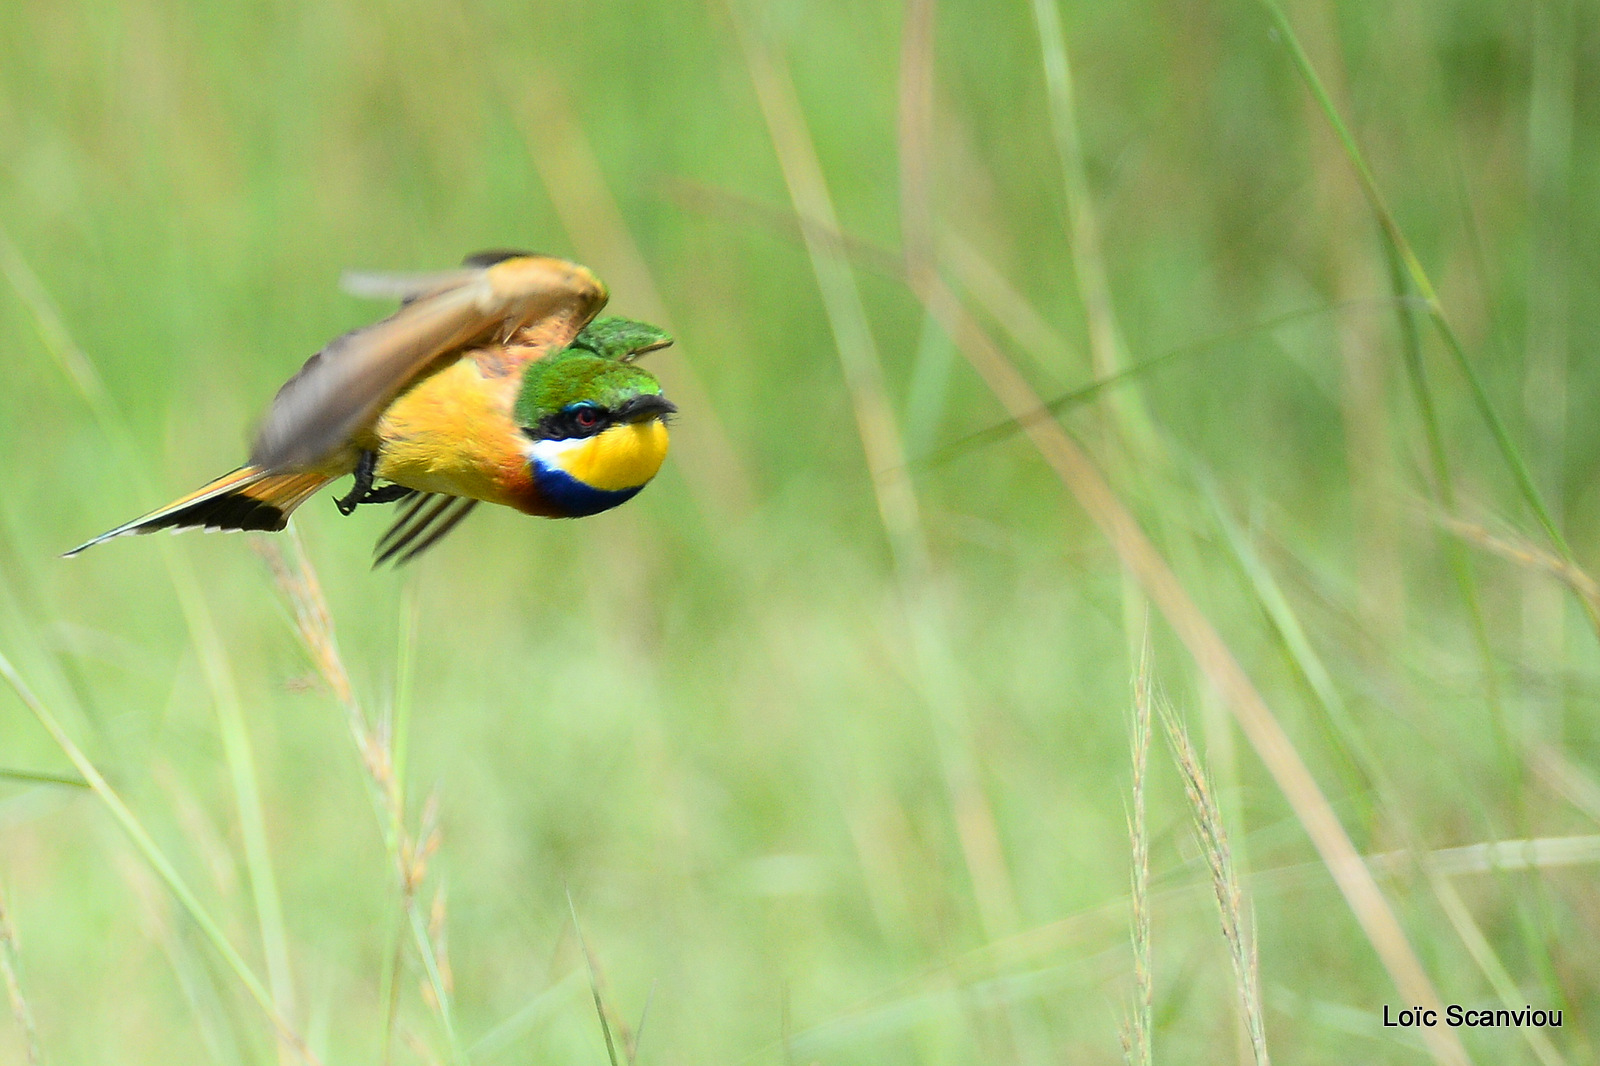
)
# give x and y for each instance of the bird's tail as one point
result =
(248, 498)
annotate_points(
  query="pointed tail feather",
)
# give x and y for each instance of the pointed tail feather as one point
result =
(248, 498)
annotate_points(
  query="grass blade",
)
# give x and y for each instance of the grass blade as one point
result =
(1088, 264)
(1548, 346)
(594, 983)
(1217, 663)
(587, 208)
(1084, 394)
(80, 370)
(297, 578)
(10, 969)
(153, 855)
(1138, 1030)
(1488, 961)
(938, 684)
(1348, 739)
(1418, 277)
(1215, 660)
(35, 777)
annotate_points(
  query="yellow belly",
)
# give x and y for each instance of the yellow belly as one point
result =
(452, 432)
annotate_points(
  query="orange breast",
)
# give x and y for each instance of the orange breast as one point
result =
(452, 432)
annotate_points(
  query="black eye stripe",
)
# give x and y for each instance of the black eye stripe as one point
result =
(570, 423)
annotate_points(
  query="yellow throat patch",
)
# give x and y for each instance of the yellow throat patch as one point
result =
(622, 457)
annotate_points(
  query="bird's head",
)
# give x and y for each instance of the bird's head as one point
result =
(595, 421)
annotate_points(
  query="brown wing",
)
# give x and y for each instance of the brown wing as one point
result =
(342, 389)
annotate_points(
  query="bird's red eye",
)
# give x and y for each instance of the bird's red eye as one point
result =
(587, 417)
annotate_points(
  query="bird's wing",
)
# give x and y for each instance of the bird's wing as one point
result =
(342, 389)
(401, 285)
(423, 521)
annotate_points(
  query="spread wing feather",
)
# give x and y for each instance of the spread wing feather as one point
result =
(402, 286)
(342, 389)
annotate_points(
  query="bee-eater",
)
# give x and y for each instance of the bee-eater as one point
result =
(494, 382)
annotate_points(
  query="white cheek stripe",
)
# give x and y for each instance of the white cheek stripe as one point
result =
(548, 453)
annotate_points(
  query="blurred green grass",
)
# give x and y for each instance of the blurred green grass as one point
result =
(703, 714)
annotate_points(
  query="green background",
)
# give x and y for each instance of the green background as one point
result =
(813, 796)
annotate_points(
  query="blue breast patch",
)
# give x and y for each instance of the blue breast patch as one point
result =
(572, 497)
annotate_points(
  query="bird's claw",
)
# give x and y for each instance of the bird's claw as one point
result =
(363, 492)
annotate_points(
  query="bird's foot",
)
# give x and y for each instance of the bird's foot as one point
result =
(363, 492)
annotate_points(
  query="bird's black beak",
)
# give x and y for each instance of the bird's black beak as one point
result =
(645, 406)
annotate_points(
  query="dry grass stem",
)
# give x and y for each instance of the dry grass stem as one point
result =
(159, 862)
(1539, 853)
(10, 969)
(1215, 660)
(1007, 307)
(1348, 736)
(1574, 784)
(409, 853)
(419, 1048)
(1213, 839)
(581, 195)
(938, 682)
(1137, 1030)
(1211, 654)
(298, 582)
(1524, 553)
(915, 136)
(1405, 259)
(78, 368)
(1217, 663)
(858, 352)
(1032, 359)
(1083, 229)
(438, 936)
(1483, 953)
(218, 1030)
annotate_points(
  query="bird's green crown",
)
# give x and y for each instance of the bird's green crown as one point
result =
(594, 383)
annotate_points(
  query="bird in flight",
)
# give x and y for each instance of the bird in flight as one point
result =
(492, 383)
